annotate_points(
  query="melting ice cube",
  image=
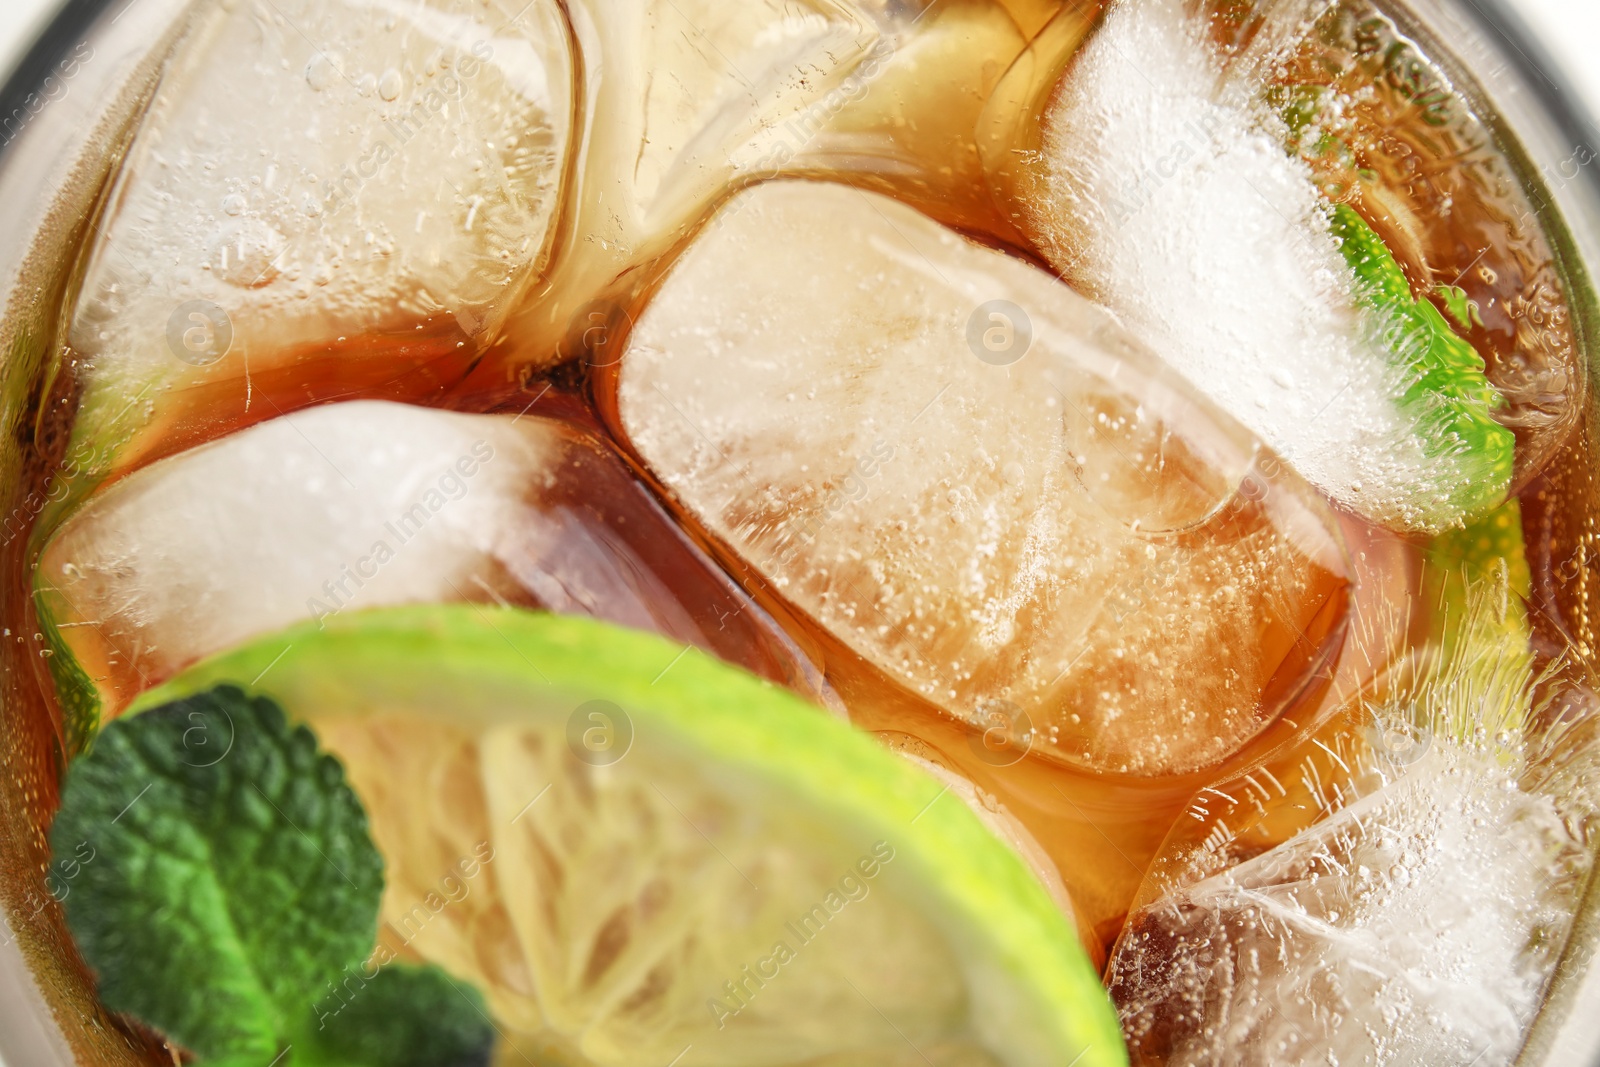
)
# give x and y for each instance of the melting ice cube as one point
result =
(1396, 889)
(324, 198)
(368, 503)
(972, 478)
(1163, 186)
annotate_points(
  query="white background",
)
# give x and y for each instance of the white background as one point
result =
(1570, 28)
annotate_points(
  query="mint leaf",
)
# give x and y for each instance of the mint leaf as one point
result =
(1447, 392)
(357, 1025)
(233, 881)
(233, 870)
(1462, 308)
(76, 692)
(1448, 395)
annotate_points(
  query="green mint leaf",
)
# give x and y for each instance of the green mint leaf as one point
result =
(233, 873)
(75, 690)
(1462, 308)
(1447, 392)
(404, 1016)
(1302, 109)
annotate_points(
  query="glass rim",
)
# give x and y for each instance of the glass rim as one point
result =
(1523, 49)
(61, 33)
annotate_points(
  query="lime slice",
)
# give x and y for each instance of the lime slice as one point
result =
(643, 856)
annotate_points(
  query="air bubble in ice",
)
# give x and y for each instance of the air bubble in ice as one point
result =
(246, 254)
(320, 72)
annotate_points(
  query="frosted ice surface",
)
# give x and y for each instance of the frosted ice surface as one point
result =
(990, 502)
(368, 503)
(323, 197)
(1407, 929)
(1395, 891)
(1169, 196)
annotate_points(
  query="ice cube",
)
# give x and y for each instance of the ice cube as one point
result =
(1165, 189)
(1397, 889)
(684, 100)
(975, 481)
(369, 503)
(1473, 231)
(324, 198)
(1418, 928)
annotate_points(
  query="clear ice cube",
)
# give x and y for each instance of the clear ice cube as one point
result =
(1397, 889)
(972, 478)
(324, 198)
(369, 503)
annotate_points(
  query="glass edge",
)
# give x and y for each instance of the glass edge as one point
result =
(1541, 72)
(62, 32)
(1556, 1040)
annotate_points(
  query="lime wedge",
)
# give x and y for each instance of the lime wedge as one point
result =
(1486, 554)
(1481, 666)
(645, 857)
